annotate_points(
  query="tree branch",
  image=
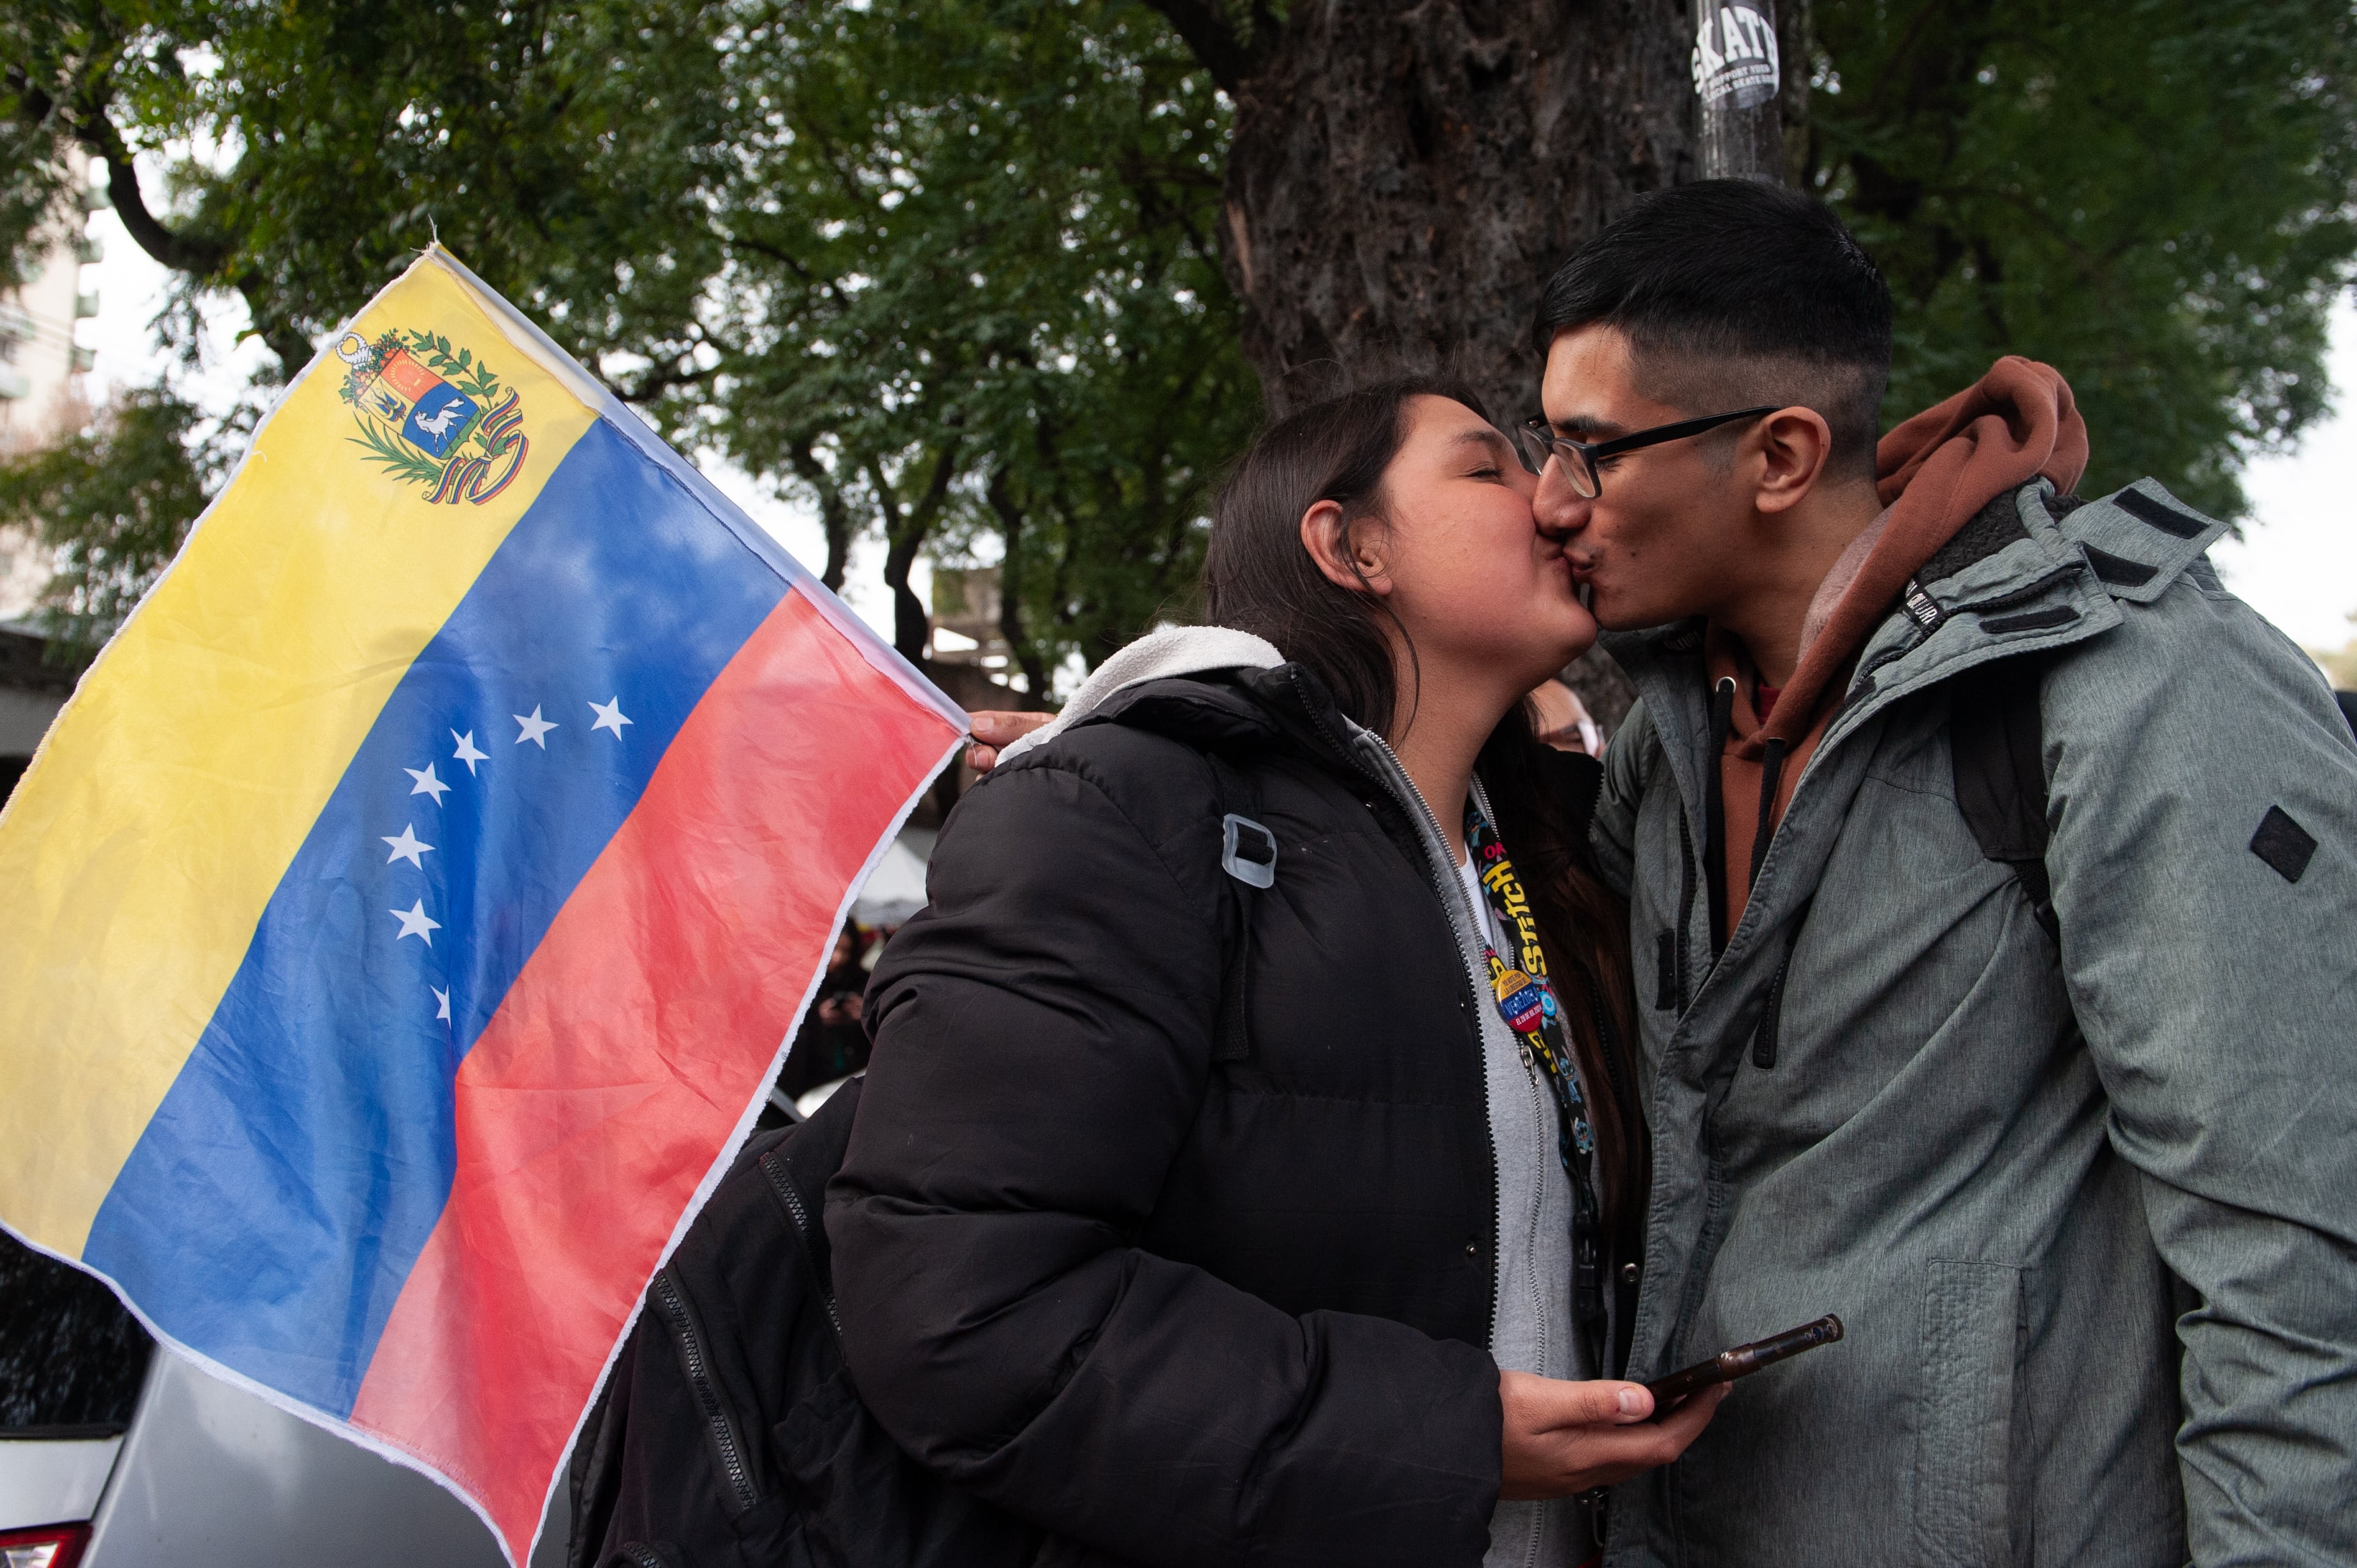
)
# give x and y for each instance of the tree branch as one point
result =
(658, 379)
(906, 529)
(1212, 40)
(1011, 589)
(834, 517)
(181, 253)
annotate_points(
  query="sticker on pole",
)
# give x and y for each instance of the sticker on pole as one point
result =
(1735, 60)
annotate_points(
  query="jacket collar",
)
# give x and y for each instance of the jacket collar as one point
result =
(2055, 582)
(1237, 709)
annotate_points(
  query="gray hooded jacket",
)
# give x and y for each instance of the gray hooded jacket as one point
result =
(2089, 1212)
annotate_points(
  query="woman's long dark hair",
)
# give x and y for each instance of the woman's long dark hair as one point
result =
(1257, 577)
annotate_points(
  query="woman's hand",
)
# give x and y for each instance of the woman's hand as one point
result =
(1564, 1438)
(993, 730)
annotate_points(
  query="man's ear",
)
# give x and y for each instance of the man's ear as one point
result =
(1793, 445)
(1347, 555)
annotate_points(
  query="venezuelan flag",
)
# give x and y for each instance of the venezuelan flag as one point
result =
(404, 920)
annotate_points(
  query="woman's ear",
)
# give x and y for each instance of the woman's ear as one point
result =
(1347, 555)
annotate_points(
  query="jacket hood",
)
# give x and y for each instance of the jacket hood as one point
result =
(1159, 655)
(1934, 474)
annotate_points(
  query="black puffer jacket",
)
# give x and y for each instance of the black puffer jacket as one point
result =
(1178, 1309)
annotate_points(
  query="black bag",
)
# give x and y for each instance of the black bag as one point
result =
(1996, 749)
(728, 1432)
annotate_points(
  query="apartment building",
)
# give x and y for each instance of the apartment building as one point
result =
(42, 371)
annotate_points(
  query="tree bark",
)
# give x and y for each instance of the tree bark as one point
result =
(1796, 37)
(1403, 178)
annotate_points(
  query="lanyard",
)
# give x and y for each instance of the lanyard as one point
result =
(1526, 1001)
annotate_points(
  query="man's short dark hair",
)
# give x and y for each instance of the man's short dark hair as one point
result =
(1733, 292)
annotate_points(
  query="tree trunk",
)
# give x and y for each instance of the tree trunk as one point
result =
(1403, 178)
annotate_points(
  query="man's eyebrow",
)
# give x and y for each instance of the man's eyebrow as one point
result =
(1589, 427)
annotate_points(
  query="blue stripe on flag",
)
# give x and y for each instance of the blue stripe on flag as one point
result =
(277, 1201)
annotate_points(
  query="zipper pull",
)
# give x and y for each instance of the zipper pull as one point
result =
(1588, 1287)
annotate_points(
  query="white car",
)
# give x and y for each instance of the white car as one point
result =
(113, 1455)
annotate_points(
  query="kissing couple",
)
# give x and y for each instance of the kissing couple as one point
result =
(1310, 1110)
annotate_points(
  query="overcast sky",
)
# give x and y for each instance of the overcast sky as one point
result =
(2297, 564)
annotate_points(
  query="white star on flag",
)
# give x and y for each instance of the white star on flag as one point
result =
(466, 752)
(534, 727)
(415, 922)
(427, 783)
(408, 847)
(442, 1000)
(611, 716)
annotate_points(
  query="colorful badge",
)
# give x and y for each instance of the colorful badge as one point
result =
(1520, 1000)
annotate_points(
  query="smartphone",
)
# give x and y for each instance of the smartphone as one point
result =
(1741, 1361)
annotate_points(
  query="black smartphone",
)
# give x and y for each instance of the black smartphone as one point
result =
(1741, 1361)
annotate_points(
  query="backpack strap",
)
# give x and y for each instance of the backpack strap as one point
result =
(1248, 854)
(1996, 745)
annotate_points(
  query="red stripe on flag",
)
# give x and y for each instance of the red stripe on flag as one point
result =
(619, 1064)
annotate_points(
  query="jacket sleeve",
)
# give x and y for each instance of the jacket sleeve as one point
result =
(1043, 1041)
(1612, 831)
(2204, 797)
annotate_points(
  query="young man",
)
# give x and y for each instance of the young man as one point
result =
(2067, 1139)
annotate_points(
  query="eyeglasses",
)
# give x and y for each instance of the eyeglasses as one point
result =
(1539, 442)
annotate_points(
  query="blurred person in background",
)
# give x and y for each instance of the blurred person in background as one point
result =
(832, 1042)
(1562, 721)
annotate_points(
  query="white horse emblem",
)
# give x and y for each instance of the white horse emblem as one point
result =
(439, 425)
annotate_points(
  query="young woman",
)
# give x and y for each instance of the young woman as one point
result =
(1245, 1156)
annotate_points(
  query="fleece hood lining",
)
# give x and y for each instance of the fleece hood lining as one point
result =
(1158, 655)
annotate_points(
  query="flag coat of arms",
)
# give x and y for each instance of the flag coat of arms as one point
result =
(409, 911)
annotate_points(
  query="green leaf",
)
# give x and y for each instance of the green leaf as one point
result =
(393, 455)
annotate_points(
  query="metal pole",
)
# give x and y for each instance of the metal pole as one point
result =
(1736, 72)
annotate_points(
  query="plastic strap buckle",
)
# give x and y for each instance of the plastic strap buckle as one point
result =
(1247, 852)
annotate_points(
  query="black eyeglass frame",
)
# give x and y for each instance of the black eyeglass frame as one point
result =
(1539, 440)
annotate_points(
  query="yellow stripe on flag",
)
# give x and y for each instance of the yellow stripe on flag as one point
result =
(140, 849)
